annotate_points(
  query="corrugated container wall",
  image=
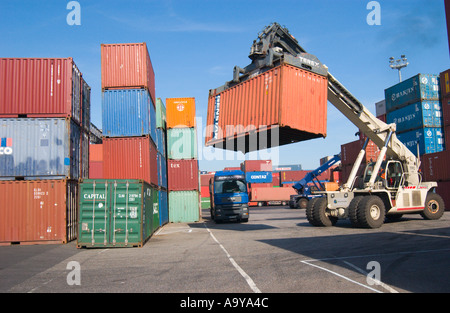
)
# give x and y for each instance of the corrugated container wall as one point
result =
(40, 88)
(180, 112)
(163, 207)
(181, 143)
(127, 65)
(256, 165)
(130, 158)
(182, 175)
(417, 88)
(38, 211)
(429, 139)
(161, 118)
(285, 97)
(85, 105)
(445, 83)
(271, 194)
(184, 206)
(436, 166)
(162, 171)
(40, 147)
(128, 113)
(115, 213)
(426, 113)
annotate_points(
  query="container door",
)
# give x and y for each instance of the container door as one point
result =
(126, 214)
(94, 213)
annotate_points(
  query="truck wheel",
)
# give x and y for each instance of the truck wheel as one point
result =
(434, 207)
(310, 211)
(320, 214)
(353, 211)
(371, 212)
(302, 203)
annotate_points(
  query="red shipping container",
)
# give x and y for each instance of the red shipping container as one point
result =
(445, 83)
(204, 179)
(285, 99)
(257, 166)
(95, 170)
(232, 169)
(182, 175)
(443, 189)
(350, 151)
(204, 191)
(292, 176)
(96, 152)
(130, 158)
(126, 66)
(38, 211)
(276, 179)
(34, 87)
(436, 166)
(271, 194)
(445, 102)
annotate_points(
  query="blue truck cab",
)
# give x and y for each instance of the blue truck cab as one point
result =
(229, 196)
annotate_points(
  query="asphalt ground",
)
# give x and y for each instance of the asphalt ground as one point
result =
(277, 251)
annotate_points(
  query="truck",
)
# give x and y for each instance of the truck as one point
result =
(392, 186)
(303, 188)
(228, 196)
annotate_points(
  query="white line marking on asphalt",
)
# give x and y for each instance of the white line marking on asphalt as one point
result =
(376, 281)
(339, 275)
(250, 282)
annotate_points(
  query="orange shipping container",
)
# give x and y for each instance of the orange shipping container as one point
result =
(271, 194)
(126, 66)
(38, 211)
(180, 112)
(286, 99)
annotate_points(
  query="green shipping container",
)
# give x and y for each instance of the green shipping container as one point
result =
(160, 114)
(182, 143)
(184, 206)
(206, 203)
(115, 213)
(155, 202)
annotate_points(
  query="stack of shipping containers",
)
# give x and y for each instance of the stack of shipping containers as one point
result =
(129, 154)
(414, 106)
(161, 146)
(182, 162)
(436, 166)
(44, 148)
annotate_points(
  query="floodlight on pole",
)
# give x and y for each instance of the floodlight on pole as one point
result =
(398, 64)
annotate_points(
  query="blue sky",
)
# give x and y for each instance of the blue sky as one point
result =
(194, 45)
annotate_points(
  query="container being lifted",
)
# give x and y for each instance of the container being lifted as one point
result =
(393, 185)
(280, 98)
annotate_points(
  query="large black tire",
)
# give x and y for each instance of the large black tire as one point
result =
(353, 211)
(371, 212)
(434, 207)
(310, 211)
(320, 216)
(302, 203)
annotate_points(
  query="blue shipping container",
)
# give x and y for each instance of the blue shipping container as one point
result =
(162, 170)
(258, 177)
(40, 148)
(128, 113)
(161, 141)
(430, 140)
(163, 208)
(417, 88)
(426, 113)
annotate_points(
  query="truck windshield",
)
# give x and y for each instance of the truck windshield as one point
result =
(230, 186)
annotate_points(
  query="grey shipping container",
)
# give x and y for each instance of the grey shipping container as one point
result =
(40, 148)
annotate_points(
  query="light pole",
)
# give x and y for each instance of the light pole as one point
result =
(398, 64)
